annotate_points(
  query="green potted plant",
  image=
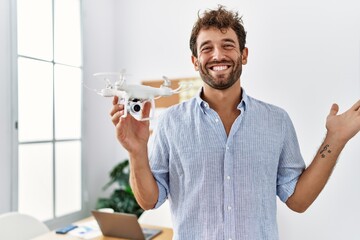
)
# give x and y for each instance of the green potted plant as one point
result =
(122, 199)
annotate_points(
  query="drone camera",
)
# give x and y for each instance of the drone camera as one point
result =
(135, 106)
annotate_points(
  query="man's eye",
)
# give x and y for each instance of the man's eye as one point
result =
(206, 49)
(229, 46)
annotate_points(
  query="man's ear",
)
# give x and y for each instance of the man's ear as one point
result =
(244, 56)
(195, 61)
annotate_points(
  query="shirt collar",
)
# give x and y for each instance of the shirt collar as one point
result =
(204, 105)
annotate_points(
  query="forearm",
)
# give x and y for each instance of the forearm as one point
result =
(142, 181)
(314, 178)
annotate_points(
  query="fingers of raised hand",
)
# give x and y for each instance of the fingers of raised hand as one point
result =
(116, 112)
(115, 100)
(356, 106)
(116, 117)
(146, 110)
(334, 109)
(116, 108)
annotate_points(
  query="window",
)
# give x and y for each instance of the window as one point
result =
(49, 74)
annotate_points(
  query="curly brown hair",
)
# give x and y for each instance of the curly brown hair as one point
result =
(221, 19)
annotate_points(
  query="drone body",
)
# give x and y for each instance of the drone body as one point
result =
(137, 91)
(134, 96)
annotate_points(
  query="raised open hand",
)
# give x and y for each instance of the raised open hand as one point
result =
(346, 125)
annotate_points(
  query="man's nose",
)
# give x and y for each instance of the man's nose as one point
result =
(218, 54)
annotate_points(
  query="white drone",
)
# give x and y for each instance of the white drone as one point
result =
(134, 96)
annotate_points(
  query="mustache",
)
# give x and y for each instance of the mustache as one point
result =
(215, 62)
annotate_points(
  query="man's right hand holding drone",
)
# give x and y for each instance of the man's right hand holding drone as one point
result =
(133, 136)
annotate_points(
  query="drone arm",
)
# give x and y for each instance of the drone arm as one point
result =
(183, 87)
(177, 90)
(152, 108)
(125, 98)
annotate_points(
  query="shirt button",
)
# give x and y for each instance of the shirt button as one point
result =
(216, 120)
(206, 105)
(227, 148)
(230, 239)
(228, 177)
(229, 208)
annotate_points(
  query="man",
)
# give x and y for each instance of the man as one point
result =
(222, 157)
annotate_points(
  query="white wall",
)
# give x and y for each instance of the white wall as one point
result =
(5, 110)
(100, 148)
(303, 57)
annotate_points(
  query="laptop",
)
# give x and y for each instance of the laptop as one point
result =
(123, 225)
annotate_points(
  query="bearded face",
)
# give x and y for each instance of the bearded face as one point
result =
(219, 60)
(221, 74)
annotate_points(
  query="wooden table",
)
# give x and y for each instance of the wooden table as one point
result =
(166, 233)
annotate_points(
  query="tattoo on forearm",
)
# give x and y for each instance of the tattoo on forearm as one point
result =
(325, 150)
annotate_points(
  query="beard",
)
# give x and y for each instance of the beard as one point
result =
(221, 81)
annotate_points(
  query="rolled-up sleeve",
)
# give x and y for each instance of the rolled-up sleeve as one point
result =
(291, 163)
(159, 164)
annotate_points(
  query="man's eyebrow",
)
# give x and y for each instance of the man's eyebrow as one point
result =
(229, 40)
(223, 40)
(204, 43)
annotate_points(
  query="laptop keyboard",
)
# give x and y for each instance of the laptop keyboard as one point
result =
(149, 233)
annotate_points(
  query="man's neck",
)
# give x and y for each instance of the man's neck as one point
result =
(223, 100)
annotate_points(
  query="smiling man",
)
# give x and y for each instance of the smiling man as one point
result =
(223, 157)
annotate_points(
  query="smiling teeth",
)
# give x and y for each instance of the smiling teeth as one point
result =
(219, 68)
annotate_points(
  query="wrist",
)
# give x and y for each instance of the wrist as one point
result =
(136, 148)
(336, 139)
(139, 156)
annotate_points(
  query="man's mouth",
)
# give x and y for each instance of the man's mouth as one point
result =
(219, 68)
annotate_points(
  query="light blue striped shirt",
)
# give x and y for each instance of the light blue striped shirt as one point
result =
(219, 186)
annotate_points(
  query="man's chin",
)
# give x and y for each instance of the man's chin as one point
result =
(220, 77)
(220, 84)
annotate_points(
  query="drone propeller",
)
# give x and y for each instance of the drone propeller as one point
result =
(106, 77)
(120, 80)
(112, 79)
(100, 74)
(167, 82)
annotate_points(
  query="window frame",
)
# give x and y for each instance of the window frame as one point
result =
(55, 222)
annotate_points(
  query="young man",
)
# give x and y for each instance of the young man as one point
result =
(222, 157)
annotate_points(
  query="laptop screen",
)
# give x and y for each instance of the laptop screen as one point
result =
(123, 225)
